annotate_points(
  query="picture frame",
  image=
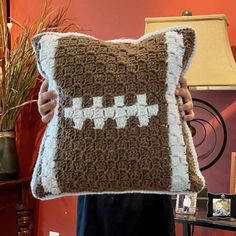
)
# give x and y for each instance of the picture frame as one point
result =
(221, 205)
(186, 204)
(233, 173)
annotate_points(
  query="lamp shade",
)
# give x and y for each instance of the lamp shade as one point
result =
(213, 66)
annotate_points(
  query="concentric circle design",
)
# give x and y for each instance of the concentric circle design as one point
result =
(209, 133)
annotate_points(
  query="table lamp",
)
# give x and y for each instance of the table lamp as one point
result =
(213, 66)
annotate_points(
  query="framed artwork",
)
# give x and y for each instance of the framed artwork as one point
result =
(233, 173)
(221, 205)
(186, 204)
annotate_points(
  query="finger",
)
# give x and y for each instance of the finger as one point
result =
(187, 107)
(184, 93)
(45, 108)
(183, 82)
(44, 97)
(44, 86)
(47, 118)
(189, 117)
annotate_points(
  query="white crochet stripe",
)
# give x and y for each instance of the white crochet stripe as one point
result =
(52, 196)
(47, 177)
(119, 112)
(180, 176)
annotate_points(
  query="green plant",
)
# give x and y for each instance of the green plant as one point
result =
(18, 70)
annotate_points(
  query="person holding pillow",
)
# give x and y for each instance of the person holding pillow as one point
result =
(121, 214)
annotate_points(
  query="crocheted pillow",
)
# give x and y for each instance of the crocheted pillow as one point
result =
(117, 127)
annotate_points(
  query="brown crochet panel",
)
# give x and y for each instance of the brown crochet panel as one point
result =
(113, 130)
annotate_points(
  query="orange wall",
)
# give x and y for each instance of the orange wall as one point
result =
(57, 215)
(108, 19)
(111, 19)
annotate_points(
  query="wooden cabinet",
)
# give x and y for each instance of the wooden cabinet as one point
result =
(16, 208)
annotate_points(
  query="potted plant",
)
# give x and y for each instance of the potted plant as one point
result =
(18, 76)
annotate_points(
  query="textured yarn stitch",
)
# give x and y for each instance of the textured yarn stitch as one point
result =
(117, 127)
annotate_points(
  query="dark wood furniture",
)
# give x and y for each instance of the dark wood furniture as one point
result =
(16, 194)
(200, 219)
(233, 173)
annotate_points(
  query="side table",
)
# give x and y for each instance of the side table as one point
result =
(201, 220)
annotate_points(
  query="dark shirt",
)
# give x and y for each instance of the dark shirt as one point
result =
(125, 215)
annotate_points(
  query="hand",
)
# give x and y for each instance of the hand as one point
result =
(187, 107)
(46, 102)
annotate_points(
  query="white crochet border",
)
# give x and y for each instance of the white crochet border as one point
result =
(50, 184)
(47, 176)
(180, 176)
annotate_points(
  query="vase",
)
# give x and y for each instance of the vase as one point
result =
(8, 156)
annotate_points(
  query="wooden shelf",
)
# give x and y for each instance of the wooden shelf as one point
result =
(7, 183)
